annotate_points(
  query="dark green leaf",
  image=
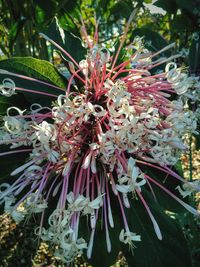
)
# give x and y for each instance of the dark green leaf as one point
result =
(122, 9)
(66, 40)
(36, 68)
(4, 104)
(153, 40)
(181, 23)
(9, 163)
(16, 100)
(194, 54)
(169, 182)
(40, 15)
(169, 5)
(171, 251)
(68, 13)
(188, 5)
(100, 256)
(44, 10)
(197, 137)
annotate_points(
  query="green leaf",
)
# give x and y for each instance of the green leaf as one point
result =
(122, 9)
(44, 10)
(169, 182)
(16, 100)
(181, 23)
(194, 54)
(36, 68)
(197, 137)
(4, 104)
(14, 31)
(105, 4)
(100, 255)
(40, 15)
(69, 42)
(4, 40)
(153, 40)
(188, 5)
(171, 251)
(68, 13)
(169, 5)
(9, 163)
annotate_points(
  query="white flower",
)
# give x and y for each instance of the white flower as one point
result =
(33, 172)
(69, 249)
(76, 204)
(178, 79)
(90, 206)
(35, 203)
(4, 190)
(7, 88)
(128, 238)
(18, 214)
(129, 182)
(72, 246)
(45, 132)
(59, 218)
(189, 188)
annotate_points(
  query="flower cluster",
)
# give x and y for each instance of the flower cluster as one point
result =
(93, 143)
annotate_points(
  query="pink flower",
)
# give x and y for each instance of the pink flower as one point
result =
(93, 143)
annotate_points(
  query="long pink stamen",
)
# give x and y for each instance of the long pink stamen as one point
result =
(186, 206)
(123, 214)
(123, 39)
(60, 48)
(34, 91)
(30, 79)
(155, 224)
(164, 169)
(110, 217)
(14, 152)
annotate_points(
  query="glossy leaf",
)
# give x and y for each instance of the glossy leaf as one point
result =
(169, 182)
(169, 5)
(153, 40)
(38, 69)
(122, 9)
(32, 67)
(100, 255)
(152, 252)
(71, 43)
(16, 100)
(4, 104)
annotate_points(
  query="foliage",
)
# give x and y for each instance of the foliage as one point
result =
(21, 22)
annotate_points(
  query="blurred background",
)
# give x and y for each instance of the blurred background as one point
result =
(160, 23)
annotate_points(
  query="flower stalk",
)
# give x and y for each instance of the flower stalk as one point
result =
(88, 149)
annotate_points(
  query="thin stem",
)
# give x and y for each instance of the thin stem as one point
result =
(34, 92)
(29, 78)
